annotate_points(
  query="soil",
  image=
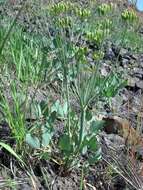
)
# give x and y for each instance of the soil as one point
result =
(128, 104)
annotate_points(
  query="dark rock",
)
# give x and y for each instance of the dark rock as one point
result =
(139, 153)
(125, 62)
(133, 56)
(141, 30)
(115, 49)
(138, 70)
(109, 54)
(119, 183)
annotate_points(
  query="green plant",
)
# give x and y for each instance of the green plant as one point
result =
(70, 54)
(82, 13)
(79, 80)
(86, 87)
(59, 8)
(30, 62)
(105, 8)
(129, 15)
(11, 27)
(79, 143)
(13, 115)
(41, 132)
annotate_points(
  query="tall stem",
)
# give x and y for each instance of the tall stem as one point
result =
(68, 105)
(82, 121)
(66, 82)
(11, 27)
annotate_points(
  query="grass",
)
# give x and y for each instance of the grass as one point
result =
(61, 56)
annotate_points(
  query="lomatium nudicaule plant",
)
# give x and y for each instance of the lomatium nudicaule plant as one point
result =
(70, 55)
(74, 34)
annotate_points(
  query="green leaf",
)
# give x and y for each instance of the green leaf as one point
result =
(46, 138)
(45, 156)
(2, 1)
(84, 150)
(88, 115)
(96, 157)
(44, 108)
(55, 106)
(52, 117)
(60, 109)
(65, 108)
(96, 126)
(92, 144)
(11, 151)
(57, 41)
(113, 84)
(84, 145)
(64, 143)
(32, 141)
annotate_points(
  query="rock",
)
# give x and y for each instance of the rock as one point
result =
(106, 68)
(125, 62)
(109, 54)
(138, 75)
(124, 52)
(141, 30)
(139, 152)
(116, 139)
(132, 81)
(139, 84)
(115, 49)
(126, 56)
(104, 71)
(141, 61)
(137, 70)
(119, 183)
(25, 186)
(133, 56)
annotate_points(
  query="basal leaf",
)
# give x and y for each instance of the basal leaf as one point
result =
(96, 126)
(46, 138)
(33, 141)
(65, 143)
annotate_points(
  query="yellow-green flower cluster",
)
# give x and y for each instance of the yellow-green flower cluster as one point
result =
(64, 22)
(98, 55)
(105, 24)
(80, 53)
(105, 8)
(82, 13)
(60, 7)
(97, 36)
(81, 50)
(129, 15)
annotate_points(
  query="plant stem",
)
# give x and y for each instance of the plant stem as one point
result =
(68, 105)
(11, 27)
(81, 132)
